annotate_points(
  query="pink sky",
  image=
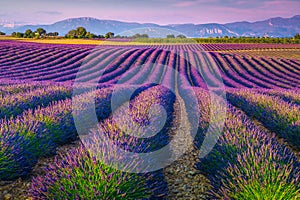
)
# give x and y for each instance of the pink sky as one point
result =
(157, 11)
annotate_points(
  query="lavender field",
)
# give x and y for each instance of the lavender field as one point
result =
(256, 156)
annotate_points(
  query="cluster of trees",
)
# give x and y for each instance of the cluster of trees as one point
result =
(137, 36)
(81, 32)
(134, 36)
(39, 33)
(2, 33)
(178, 36)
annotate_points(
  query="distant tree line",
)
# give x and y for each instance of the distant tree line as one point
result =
(138, 35)
(39, 33)
(81, 32)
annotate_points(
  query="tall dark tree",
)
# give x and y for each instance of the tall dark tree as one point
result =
(171, 36)
(180, 36)
(41, 32)
(81, 32)
(28, 33)
(109, 35)
(71, 34)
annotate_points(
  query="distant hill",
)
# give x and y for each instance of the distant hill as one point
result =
(274, 27)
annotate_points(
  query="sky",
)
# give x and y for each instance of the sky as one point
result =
(144, 11)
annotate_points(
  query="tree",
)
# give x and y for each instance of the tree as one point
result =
(80, 32)
(52, 34)
(144, 36)
(28, 33)
(19, 35)
(41, 32)
(180, 36)
(297, 36)
(71, 34)
(2, 33)
(13, 34)
(109, 35)
(171, 36)
(140, 35)
(90, 35)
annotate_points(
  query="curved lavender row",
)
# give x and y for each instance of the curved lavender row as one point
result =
(36, 54)
(184, 66)
(248, 72)
(135, 67)
(70, 72)
(210, 69)
(296, 64)
(266, 75)
(279, 116)
(282, 69)
(277, 72)
(43, 129)
(5, 50)
(26, 72)
(288, 65)
(138, 117)
(251, 163)
(117, 70)
(11, 65)
(260, 79)
(147, 66)
(58, 73)
(21, 56)
(241, 147)
(94, 66)
(157, 69)
(32, 69)
(164, 64)
(181, 67)
(13, 105)
(231, 72)
(40, 132)
(270, 70)
(168, 79)
(82, 175)
(60, 56)
(42, 58)
(72, 63)
(195, 75)
(229, 75)
(133, 70)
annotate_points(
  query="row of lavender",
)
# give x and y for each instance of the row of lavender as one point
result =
(247, 162)
(36, 133)
(112, 63)
(41, 130)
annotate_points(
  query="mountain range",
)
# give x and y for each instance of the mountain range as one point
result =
(273, 27)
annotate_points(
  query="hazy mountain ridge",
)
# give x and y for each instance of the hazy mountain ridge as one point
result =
(274, 27)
